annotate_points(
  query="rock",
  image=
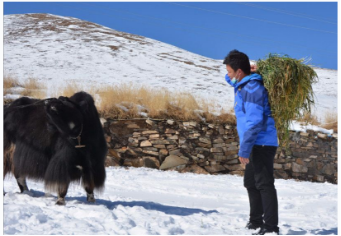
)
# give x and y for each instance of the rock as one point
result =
(154, 136)
(103, 121)
(113, 153)
(131, 152)
(212, 126)
(111, 161)
(194, 169)
(234, 161)
(175, 152)
(194, 136)
(148, 132)
(174, 137)
(205, 140)
(170, 122)
(135, 162)
(172, 161)
(277, 166)
(323, 136)
(319, 178)
(107, 138)
(146, 143)
(219, 145)
(281, 174)
(287, 166)
(170, 131)
(303, 134)
(218, 140)
(296, 168)
(191, 123)
(153, 153)
(159, 142)
(151, 162)
(214, 168)
(238, 172)
(200, 156)
(216, 150)
(227, 126)
(163, 152)
(133, 126)
(235, 167)
(328, 169)
(299, 161)
(219, 157)
(150, 122)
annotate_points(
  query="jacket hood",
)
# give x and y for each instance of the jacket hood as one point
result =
(252, 76)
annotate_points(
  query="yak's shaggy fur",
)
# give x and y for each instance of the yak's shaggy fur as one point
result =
(57, 141)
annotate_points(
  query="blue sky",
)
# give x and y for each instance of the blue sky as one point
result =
(212, 29)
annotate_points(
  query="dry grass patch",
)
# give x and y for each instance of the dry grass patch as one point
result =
(308, 118)
(330, 121)
(70, 89)
(130, 101)
(10, 82)
(34, 89)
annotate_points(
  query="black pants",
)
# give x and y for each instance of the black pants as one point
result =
(259, 182)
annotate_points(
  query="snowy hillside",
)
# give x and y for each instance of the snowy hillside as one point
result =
(148, 201)
(57, 49)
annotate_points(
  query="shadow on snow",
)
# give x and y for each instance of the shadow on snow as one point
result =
(170, 210)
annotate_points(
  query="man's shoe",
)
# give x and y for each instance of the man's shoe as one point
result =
(263, 231)
(253, 226)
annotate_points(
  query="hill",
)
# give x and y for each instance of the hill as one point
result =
(58, 50)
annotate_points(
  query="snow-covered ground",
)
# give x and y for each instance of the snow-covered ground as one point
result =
(57, 50)
(147, 201)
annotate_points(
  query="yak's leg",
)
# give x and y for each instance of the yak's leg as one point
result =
(90, 197)
(22, 184)
(62, 190)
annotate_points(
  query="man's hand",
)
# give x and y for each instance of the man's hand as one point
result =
(253, 68)
(243, 160)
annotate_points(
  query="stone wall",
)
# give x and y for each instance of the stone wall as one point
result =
(212, 149)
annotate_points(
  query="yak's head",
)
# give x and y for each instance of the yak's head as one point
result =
(65, 116)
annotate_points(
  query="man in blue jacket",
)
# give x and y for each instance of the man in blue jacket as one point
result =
(258, 141)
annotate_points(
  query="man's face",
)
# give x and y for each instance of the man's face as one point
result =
(231, 73)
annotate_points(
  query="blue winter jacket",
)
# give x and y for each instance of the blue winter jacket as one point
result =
(255, 125)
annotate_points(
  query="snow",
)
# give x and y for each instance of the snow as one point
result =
(149, 201)
(298, 126)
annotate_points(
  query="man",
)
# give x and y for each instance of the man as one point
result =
(258, 141)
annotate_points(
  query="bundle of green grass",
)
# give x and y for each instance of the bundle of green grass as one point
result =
(289, 84)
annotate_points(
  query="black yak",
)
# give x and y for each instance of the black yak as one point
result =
(57, 141)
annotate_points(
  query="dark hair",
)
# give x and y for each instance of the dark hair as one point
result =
(238, 60)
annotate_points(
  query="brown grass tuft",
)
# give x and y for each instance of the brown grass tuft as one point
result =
(330, 121)
(10, 82)
(34, 89)
(309, 118)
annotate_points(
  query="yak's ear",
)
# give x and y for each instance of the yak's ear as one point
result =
(84, 105)
(62, 98)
